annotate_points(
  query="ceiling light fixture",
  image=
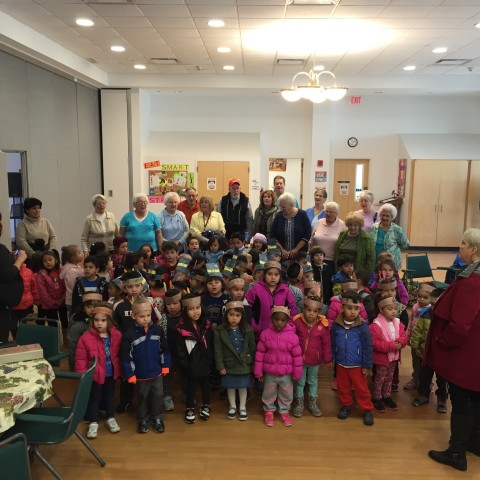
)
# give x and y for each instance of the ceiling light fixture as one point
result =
(439, 50)
(117, 48)
(477, 25)
(409, 68)
(84, 22)
(224, 49)
(139, 66)
(314, 91)
(228, 67)
(216, 23)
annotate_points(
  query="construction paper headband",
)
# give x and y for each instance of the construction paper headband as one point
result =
(175, 299)
(213, 270)
(133, 281)
(104, 310)
(272, 264)
(234, 304)
(387, 285)
(138, 307)
(236, 281)
(192, 302)
(309, 302)
(280, 309)
(314, 287)
(426, 287)
(346, 286)
(349, 301)
(387, 301)
(92, 297)
(307, 268)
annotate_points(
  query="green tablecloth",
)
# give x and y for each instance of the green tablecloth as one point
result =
(22, 386)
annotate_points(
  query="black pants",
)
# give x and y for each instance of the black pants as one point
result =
(55, 314)
(150, 399)
(426, 375)
(4, 325)
(104, 395)
(192, 383)
(15, 317)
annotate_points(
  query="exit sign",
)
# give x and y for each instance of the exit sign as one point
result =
(355, 100)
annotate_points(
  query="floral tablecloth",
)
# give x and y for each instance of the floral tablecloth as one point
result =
(22, 386)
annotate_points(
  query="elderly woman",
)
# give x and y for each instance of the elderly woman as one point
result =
(34, 233)
(388, 236)
(453, 352)
(290, 227)
(100, 226)
(317, 212)
(325, 235)
(206, 219)
(356, 243)
(141, 226)
(367, 212)
(173, 222)
(265, 213)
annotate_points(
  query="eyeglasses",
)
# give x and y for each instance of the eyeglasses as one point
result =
(141, 202)
(329, 211)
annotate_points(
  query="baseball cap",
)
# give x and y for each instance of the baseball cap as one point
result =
(232, 181)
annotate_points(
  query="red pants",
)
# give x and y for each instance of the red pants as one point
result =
(346, 377)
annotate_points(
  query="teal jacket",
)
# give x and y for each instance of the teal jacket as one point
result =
(365, 257)
(226, 357)
(395, 241)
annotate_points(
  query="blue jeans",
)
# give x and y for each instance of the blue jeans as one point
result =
(309, 376)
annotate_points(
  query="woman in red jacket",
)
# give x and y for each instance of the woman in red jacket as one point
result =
(453, 351)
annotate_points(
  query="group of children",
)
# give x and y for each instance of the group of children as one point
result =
(219, 315)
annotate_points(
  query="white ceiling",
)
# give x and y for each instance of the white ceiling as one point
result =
(366, 43)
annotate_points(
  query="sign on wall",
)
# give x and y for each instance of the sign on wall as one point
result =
(168, 178)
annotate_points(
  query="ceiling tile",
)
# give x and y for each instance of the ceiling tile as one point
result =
(223, 33)
(113, 10)
(372, 11)
(455, 11)
(202, 22)
(213, 11)
(128, 22)
(406, 11)
(178, 32)
(169, 11)
(260, 12)
(172, 22)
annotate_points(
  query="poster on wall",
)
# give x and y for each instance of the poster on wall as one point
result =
(211, 183)
(168, 178)
(277, 164)
(344, 187)
(320, 177)
(402, 177)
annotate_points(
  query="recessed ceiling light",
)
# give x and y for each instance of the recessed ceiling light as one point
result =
(117, 48)
(477, 25)
(409, 68)
(84, 22)
(224, 49)
(228, 67)
(216, 23)
(439, 50)
(318, 68)
(139, 66)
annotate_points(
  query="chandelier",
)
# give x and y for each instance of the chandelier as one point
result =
(314, 90)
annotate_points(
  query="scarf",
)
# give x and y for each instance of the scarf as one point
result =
(382, 322)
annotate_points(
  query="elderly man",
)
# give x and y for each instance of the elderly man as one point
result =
(190, 205)
(279, 187)
(236, 210)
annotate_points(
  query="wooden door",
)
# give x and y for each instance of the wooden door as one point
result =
(425, 183)
(473, 196)
(349, 179)
(451, 202)
(213, 177)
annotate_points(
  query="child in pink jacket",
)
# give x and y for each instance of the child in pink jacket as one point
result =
(278, 359)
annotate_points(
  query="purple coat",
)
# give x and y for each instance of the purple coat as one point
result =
(279, 353)
(261, 301)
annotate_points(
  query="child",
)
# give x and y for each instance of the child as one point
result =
(105, 266)
(236, 242)
(193, 245)
(195, 354)
(120, 250)
(388, 338)
(197, 281)
(353, 355)
(259, 242)
(345, 265)
(72, 268)
(295, 275)
(267, 293)
(214, 251)
(236, 291)
(234, 355)
(336, 305)
(102, 341)
(145, 359)
(320, 272)
(115, 292)
(417, 344)
(214, 300)
(90, 282)
(157, 282)
(170, 258)
(150, 257)
(362, 277)
(277, 361)
(385, 269)
(313, 332)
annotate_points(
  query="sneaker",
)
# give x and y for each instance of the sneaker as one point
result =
(268, 418)
(158, 425)
(204, 413)
(168, 404)
(231, 413)
(334, 385)
(243, 415)
(410, 385)
(378, 405)
(441, 407)
(390, 403)
(92, 430)
(420, 401)
(344, 412)
(190, 415)
(286, 419)
(368, 418)
(142, 427)
(395, 387)
(112, 425)
(122, 407)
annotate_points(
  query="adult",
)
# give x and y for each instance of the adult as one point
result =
(11, 285)
(355, 243)
(317, 212)
(453, 352)
(279, 189)
(173, 222)
(265, 213)
(325, 235)
(34, 233)
(236, 210)
(206, 219)
(388, 236)
(369, 215)
(100, 226)
(290, 227)
(141, 226)
(190, 205)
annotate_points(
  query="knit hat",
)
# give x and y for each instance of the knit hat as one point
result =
(259, 237)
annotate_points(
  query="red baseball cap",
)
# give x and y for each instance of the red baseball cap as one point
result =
(232, 181)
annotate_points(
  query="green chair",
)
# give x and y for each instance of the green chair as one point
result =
(14, 461)
(418, 266)
(52, 426)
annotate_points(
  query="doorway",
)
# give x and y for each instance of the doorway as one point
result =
(349, 179)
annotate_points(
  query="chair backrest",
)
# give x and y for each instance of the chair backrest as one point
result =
(419, 264)
(46, 335)
(14, 461)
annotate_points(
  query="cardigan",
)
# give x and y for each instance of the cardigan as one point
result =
(93, 231)
(365, 255)
(395, 241)
(301, 230)
(215, 222)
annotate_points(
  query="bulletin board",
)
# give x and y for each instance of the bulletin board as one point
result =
(168, 178)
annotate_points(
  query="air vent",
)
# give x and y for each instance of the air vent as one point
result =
(452, 61)
(313, 2)
(91, 60)
(163, 61)
(290, 61)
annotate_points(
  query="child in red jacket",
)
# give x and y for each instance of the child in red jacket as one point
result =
(314, 335)
(102, 341)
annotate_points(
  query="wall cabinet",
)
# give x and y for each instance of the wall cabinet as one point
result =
(438, 202)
